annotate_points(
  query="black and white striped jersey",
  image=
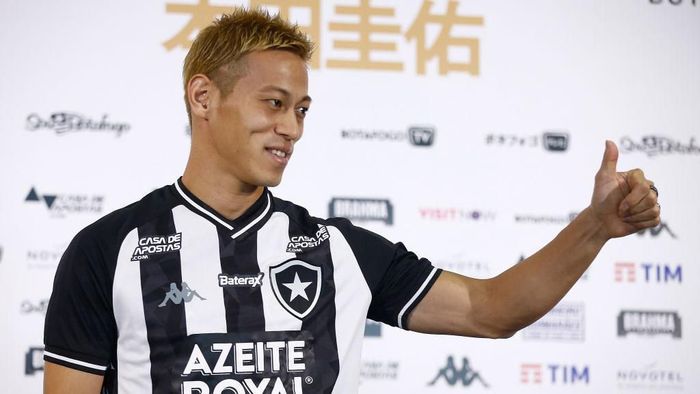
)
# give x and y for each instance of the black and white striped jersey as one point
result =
(167, 296)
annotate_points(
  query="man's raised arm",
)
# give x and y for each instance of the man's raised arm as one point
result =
(63, 380)
(622, 203)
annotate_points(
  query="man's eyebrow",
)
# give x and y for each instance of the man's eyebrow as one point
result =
(285, 92)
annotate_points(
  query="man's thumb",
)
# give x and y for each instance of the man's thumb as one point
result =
(610, 156)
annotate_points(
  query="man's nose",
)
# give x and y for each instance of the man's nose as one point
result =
(289, 125)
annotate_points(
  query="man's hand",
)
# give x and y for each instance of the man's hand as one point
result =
(623, 201)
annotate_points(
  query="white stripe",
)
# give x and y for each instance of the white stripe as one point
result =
(420, 290)
(251, 224)
(200, 265)
(211, 215)
(74, 361)
(273, 238)
(352, 299)
(133, 351)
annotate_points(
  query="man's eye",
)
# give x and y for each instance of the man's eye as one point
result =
(302, 111)
(275, 103)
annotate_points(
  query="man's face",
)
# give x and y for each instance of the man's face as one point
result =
(254, 128)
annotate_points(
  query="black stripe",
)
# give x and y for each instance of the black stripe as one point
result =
(165, 325)
(321, 320)
(244, 309)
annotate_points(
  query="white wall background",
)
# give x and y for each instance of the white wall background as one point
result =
(624, 70)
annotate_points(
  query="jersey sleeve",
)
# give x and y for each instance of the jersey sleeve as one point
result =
(80, 330)
(397, 278)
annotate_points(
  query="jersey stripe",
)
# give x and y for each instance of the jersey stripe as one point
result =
(271, 249)
(353, 297)
(244, 305)
(165, 318)
(413, 299)
(200, 208)
(199, 264)
(133, 358)
(50, 355)
(321, 319)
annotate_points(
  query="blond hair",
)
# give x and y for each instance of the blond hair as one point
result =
(218, 49)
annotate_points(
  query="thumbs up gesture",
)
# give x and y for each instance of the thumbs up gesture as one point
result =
(624, 202)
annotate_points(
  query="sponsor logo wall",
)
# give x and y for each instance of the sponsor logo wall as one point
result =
(469, 130)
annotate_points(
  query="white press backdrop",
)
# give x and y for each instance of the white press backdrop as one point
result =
(517, 135)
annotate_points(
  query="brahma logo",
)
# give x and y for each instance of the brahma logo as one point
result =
(362, 209)
(34, 360)
(649, 323)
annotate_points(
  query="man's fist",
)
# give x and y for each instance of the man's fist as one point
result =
(624, 202)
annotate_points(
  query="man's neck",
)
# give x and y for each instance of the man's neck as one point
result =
(222, 192)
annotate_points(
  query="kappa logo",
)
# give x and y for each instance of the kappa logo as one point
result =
(298, 243)
(297, 286)
(177, 296)
(251, 281)
(156, 245)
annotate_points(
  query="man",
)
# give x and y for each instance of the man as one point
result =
(213, 285)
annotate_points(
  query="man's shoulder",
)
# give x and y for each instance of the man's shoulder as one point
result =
(301, 215)
(118, 223)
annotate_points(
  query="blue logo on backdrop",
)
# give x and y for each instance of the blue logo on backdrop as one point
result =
(655, 232)
(652, 272)
(559, 374)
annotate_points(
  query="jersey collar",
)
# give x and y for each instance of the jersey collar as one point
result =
(257, 214)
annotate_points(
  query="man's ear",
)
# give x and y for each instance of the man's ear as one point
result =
(199, 91)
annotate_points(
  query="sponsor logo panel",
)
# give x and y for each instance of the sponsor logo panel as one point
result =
(419, 136)
(373, 329)
(455, 214)
(629, 272)
(278, 362)
(655, 232)
(63, 123)
(529, 218)
(554, 374)
(657, 145)
(385, 370)
(458, 373)
(565, 322)
(556, 141)
(158, 244)
(34, 360)
(650, 378)
(649, 323)
(31, 307)
(362, 209)
(61, 205)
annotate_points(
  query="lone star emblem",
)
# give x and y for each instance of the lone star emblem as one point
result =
(297, 286)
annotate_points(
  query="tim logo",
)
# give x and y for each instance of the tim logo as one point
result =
(649, 323)
(34, 360)
(362, 209)
(297, 286)
(658, 230)
(464, 376)
(558, 374)
(652, 273)
(421, 135)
